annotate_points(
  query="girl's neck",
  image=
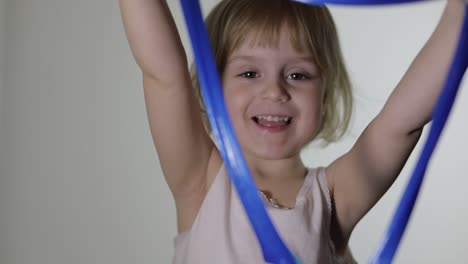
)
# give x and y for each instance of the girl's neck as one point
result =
(277, 171)
(279, 179)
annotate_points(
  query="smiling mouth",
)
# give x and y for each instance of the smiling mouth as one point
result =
(272, 121)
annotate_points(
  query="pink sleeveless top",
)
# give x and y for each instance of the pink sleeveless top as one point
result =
(221, 232)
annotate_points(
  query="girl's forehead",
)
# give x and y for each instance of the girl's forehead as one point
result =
(281, 36)
(255, 41)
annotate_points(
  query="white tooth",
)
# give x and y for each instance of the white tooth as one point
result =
(273, 118)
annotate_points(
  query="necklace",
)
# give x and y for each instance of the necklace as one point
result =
(272, 201)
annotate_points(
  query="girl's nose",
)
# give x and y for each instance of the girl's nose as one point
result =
(276, 91)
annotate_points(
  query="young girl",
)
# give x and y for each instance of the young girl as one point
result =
(285, 85)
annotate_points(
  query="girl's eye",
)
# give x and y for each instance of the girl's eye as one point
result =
(249, 74)
(297, 76)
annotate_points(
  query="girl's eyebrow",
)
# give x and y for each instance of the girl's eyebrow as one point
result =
(243, 58)
(306, 59)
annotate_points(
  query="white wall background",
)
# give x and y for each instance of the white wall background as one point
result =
(2, 175)
(80, 180)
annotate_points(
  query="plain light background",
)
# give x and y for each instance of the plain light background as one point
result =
(3, 197)
(80, 180)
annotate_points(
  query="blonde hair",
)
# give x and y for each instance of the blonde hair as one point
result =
(310, 27)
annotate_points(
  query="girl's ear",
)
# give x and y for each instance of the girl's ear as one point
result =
(324, 95)
(323, 109)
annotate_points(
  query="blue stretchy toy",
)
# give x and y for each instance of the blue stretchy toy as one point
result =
(273, 248)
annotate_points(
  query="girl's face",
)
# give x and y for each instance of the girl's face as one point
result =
(274, 97)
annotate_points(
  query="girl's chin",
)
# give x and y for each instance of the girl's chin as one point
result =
(271, 153)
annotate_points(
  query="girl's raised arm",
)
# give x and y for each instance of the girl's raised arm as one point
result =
(363, 175)
(183, 146)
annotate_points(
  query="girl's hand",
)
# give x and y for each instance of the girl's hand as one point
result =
(456, 5)
(457, 2)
